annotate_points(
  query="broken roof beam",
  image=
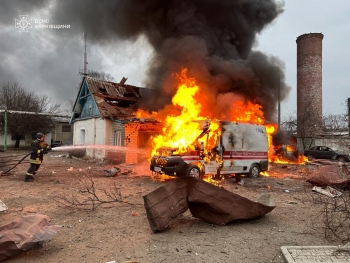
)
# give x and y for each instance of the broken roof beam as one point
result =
(102, 103)
(115, 90)
(98, 86)
(123, 81)
(119, 108)
(116, 97)
(119, 116)
(136, 93)
(105, 106)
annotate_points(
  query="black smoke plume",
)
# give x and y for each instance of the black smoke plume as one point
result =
(213, 39)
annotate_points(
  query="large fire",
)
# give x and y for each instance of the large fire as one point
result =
(183, 121)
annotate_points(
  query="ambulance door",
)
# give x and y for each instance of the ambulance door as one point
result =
(232, 141)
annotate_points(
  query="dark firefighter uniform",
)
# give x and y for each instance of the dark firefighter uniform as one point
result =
(39, 148)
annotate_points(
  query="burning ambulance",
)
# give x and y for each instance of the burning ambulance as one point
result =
(220, 149)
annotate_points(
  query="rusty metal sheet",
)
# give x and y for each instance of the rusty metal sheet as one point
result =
(205, 201)
(23, 233)
(218, 206)
(166, 203)
(329, 175)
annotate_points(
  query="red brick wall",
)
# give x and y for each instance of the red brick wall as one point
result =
(131, 140)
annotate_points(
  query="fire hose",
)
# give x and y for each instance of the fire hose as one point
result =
(16, 164)
(45, 151)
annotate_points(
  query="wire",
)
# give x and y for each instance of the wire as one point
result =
(8, 164)
(16, 163)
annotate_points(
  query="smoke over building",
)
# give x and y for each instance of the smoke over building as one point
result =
(309, 84)
(213, 39)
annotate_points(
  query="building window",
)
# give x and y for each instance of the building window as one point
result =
(66, 128)
(118, 138)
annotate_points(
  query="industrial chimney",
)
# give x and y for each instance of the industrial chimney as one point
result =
(309, 84)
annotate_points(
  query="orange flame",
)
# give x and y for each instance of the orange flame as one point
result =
(287, 154)
(264, 174)
(182, 125)
(184, 119)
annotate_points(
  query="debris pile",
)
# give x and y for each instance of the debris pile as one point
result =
(205, 201)
(24, 233)
(330, 175)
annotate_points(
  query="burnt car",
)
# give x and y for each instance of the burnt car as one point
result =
(324, 152)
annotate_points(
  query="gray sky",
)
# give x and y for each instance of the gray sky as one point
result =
(316, 16)
(48, 61)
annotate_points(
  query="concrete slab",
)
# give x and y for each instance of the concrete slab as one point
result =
(313, 254)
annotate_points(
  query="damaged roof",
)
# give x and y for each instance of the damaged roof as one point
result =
(113, 100)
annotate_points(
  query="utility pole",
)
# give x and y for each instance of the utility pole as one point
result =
(84, 73)
(5, 132)
(85, 56)
(279, 101)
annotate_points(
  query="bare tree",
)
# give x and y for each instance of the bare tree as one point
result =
(67, 107)
(16, 98)
(289, 125)
(335, 122)
(336, 126)
(100, 75)
(333, 217)
(88, 196)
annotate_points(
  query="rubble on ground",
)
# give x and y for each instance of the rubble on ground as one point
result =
(205, 201)
(23, 233)
(335, 175)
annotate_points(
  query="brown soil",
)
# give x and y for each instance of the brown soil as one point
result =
(120, 231)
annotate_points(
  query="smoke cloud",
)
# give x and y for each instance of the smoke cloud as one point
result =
(214, 40)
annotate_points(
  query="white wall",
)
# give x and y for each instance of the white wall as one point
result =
(97, 134)
(335, 144)
(341, 144)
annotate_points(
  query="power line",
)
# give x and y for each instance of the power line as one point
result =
(38, 113)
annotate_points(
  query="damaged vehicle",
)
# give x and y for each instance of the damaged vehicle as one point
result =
(324, 152)
(286, 151)
(221, 149)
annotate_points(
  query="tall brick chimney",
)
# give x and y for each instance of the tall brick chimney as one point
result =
(309, 84)
(349, 115)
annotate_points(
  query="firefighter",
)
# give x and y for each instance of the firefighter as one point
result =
(39, 148)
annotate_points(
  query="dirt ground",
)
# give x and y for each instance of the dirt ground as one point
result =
(120, 231)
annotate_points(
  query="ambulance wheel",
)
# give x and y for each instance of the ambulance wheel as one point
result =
(193, 171)
(254, 171)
